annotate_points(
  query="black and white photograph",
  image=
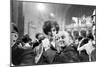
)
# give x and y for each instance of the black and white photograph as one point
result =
(45, 33)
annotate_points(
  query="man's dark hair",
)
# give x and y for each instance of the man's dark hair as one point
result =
(14, 28)
(48, 25)
(36, 36)
(26, 38)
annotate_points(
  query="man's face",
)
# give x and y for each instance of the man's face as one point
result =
(76, 41)
(14, 37)
(41, 36)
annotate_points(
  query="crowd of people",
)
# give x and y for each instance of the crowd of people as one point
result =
(53, 46)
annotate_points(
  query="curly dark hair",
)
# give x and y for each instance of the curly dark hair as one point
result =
(50, 24)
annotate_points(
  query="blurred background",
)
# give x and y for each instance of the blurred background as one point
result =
(29, 17)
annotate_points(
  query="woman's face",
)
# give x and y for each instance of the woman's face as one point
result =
(53, 31)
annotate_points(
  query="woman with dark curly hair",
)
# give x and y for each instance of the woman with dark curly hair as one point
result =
(50, 28)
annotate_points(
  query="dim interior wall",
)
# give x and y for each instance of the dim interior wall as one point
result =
(14, 11)
(17, 17)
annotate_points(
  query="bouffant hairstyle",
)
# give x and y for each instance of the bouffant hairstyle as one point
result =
(48, 25)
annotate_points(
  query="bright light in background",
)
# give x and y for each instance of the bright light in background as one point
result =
(52, 15)
(40, 6)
